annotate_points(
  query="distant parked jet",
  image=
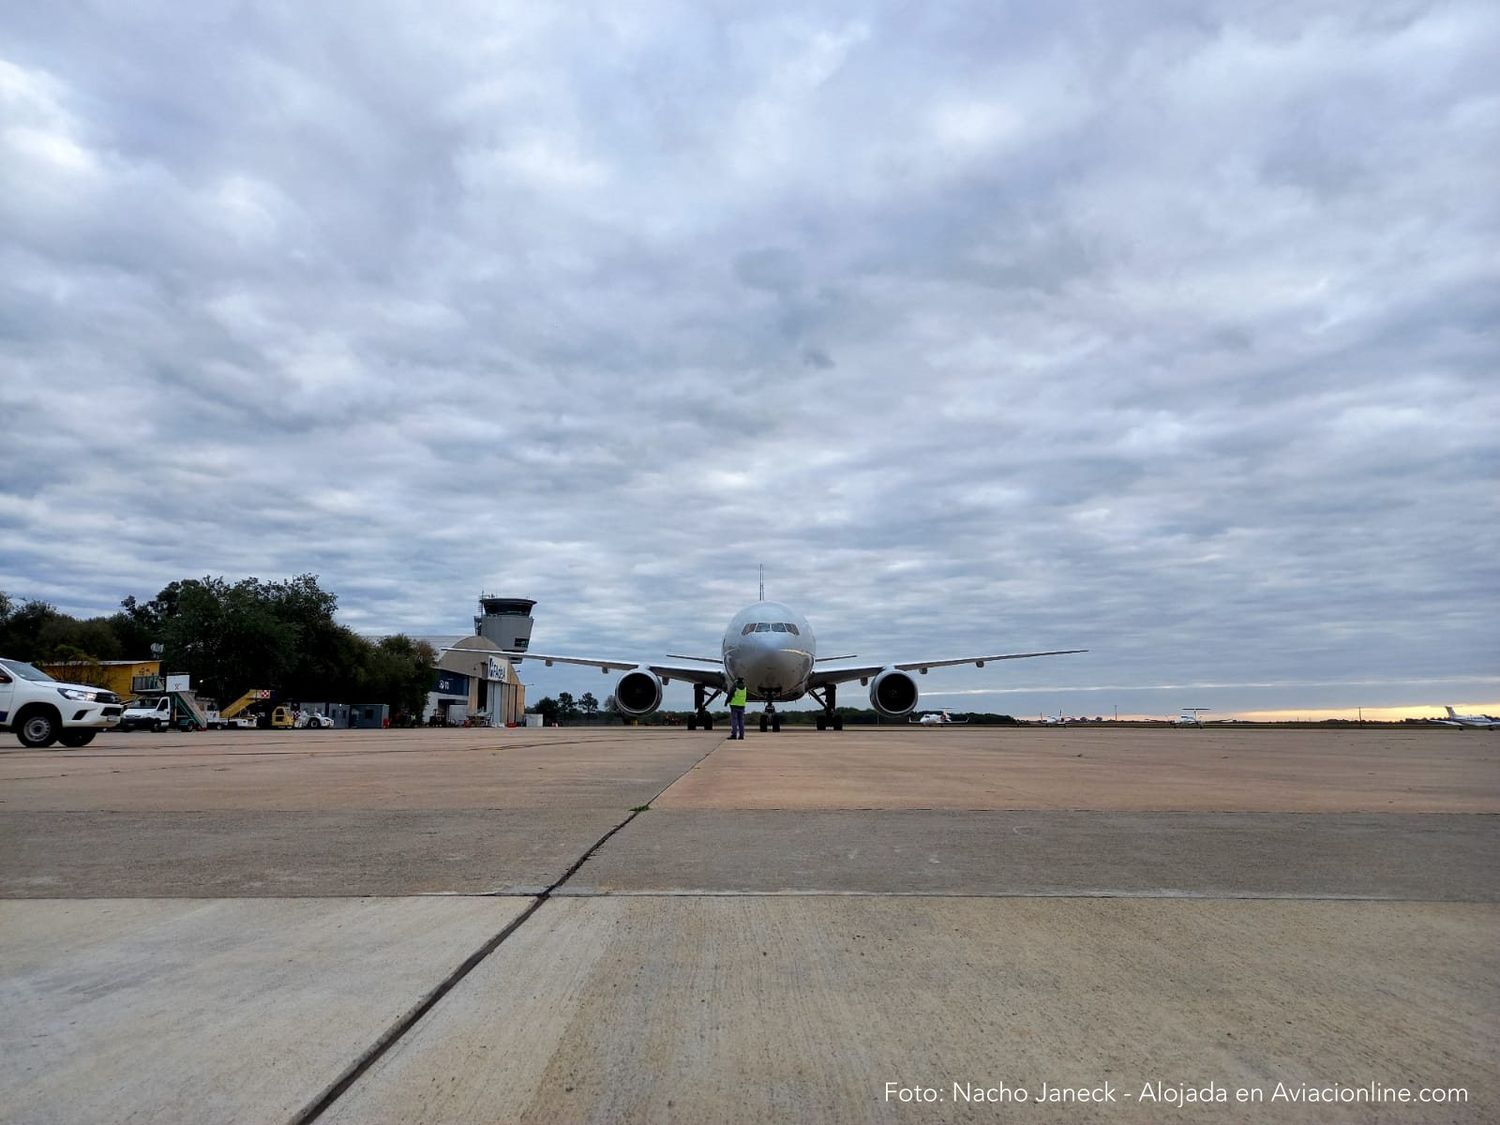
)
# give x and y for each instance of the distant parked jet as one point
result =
(1481, 722)
(938, 719)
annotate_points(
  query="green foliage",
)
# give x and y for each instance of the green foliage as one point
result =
(589, 704)
(35, 630)
(546, 707)
(230, 637)
(399, 671)
(567, 708)
(21, 625)
(233, 636)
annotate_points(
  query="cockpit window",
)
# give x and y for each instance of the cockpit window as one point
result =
(770, 627)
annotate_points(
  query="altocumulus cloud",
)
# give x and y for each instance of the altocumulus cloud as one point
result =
(982, 326)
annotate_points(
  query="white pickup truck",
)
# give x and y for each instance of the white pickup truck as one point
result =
(43, 711)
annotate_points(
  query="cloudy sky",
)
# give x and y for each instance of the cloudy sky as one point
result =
(1166, 330)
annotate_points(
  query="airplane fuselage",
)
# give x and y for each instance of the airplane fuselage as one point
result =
(772, 648)
(939, 719)
(1476, 722)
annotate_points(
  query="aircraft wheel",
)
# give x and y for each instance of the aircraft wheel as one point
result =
(692, 724)
(708, 724)
(838, 722)
(763, 724)
(822, 722)
(775, 725)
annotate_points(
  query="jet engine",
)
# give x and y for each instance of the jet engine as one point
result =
(638, 693)
(893, 693)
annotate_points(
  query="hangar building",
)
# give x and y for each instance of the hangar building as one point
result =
(474, 681)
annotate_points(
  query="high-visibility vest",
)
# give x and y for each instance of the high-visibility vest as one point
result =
(738, 698)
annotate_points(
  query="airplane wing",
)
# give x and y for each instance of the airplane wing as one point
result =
(841, 673)
(701, 672)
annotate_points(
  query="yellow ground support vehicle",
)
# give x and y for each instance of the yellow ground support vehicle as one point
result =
(291, 718)
(251, 697)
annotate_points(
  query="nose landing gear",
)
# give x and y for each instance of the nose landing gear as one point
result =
(769, 718)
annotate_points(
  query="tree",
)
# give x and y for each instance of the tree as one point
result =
(228, 637)
(546, 707)
(332, 664)
(397, 671)
(22, 626)
(589, 704)
(66, 638)
(134, 632)
(36, 631)
(232, 636)
(566, 707)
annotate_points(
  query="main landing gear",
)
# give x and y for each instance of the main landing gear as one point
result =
(769, 718)
(829, 719)
(702, 697)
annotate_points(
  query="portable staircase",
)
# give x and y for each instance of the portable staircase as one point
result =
(189, 702)
(251, 697)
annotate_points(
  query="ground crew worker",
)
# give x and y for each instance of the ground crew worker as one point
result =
(737, 700)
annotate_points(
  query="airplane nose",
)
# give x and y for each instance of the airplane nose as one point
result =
(760, 668)
(768, 666)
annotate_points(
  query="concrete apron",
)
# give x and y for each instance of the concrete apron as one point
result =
(1234, 855)
(754, 1009)
(198, 1011)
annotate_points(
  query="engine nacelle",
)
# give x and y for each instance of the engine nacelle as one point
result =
(893, 693)
(638, 693)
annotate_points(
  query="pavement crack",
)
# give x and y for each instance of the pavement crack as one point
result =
(635, 812)
(398, 1030)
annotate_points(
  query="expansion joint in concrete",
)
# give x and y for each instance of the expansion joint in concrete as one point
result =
(393, 1035)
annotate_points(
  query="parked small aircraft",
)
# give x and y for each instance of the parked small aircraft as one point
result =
(937, 719)
(1480, 722)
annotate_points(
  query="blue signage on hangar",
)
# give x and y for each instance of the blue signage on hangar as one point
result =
(452, 683)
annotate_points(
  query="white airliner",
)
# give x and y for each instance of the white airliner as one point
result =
(1481, 722)
(938, 719)
(773, 649)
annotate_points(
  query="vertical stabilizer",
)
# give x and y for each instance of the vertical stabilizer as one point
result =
(1451, 715)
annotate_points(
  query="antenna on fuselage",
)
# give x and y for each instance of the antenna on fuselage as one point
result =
(762, 582)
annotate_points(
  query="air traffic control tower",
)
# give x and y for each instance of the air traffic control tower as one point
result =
(506, 621)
